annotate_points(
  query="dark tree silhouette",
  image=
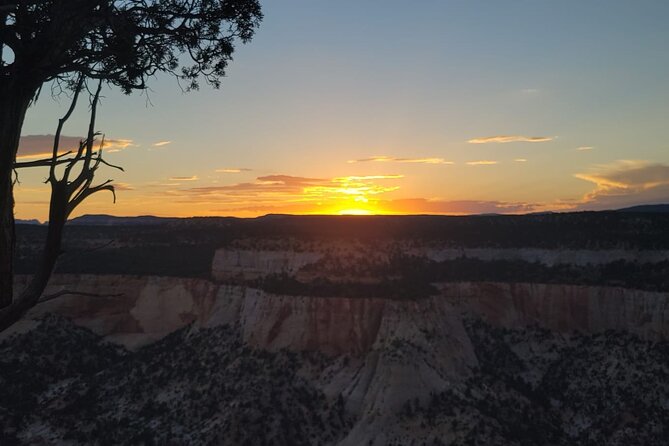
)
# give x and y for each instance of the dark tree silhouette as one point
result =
(120, 42)
(68, 190)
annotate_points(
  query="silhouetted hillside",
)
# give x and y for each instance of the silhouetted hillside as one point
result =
(648, 208)
(186, 247)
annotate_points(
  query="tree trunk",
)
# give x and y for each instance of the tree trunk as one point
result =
(52, 250)
(14, 103)
(7, 237)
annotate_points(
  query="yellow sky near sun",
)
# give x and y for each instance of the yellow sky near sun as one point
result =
(376, 184)
(184, 196)
(472, 118)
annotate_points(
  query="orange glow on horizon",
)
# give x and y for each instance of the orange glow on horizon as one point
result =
(195, 195)
(355, 212)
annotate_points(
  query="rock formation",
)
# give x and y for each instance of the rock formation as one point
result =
(329, 342)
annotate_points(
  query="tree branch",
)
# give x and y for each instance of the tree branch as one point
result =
(59, 128)
(66, 195)
(61, 293)
(44, 162)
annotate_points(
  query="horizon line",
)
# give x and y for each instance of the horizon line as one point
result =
(484, 214)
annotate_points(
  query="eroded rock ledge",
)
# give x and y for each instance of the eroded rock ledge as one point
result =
(148, 308)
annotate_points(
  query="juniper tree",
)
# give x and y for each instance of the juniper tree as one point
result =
(122, 43)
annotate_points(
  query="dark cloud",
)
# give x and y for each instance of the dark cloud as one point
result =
(268, 190)
(41, 146)
(626, 177)
(294, 194)
(291, 181)
(36, 146)
(624, 183)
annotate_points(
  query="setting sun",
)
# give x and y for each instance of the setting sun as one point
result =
(381, 222)
(401, 142)
(355, 212)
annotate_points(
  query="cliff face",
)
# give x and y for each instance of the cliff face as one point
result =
(251, 264)
(415, 348)
(131, 310)
(333, 371)
(135, 311)
(565, 308)
(393, 369)
(548, 257)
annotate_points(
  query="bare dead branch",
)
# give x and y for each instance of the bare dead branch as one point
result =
(61, 293)
(66, 195)
(59, 128)
(111, 165)
(97, 248)
(44, 162)
(71, 193)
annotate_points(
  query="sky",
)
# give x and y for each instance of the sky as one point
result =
(394, 107)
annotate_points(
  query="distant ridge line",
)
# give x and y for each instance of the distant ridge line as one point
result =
(152, 220)
(661, 208)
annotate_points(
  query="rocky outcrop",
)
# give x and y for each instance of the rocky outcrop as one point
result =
(130, 310)
(135, 310)
(548, 257)
(62, 384)
(414, 347)
(252, 264)
(382, 357)
(565, 308)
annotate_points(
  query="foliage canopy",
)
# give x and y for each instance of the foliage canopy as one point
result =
(123, 42)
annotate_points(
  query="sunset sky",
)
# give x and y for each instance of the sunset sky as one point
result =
(370, 106)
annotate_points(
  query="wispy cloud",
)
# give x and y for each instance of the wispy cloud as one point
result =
(392, 159)
(122, 186)
(481, 163)
(521, 160)
(233, 170)
(366, 177)
(116, 145)
(584, 148)
(509, 138)
(626, 176)
(625, 182)
(41, 146)
(268, 190)
(161, 143)
(191, 178)
(288, 180)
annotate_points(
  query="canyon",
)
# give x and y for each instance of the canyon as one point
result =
(228, 358)
(137, 310)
